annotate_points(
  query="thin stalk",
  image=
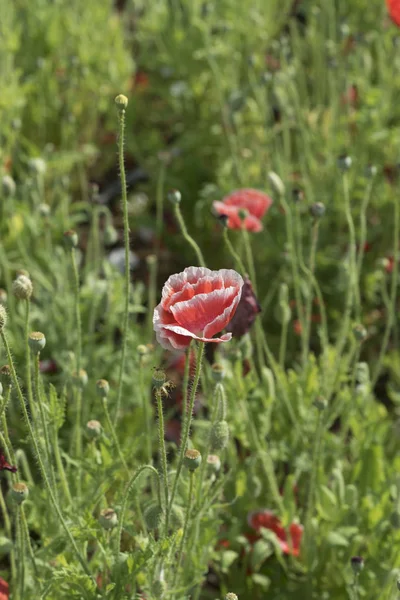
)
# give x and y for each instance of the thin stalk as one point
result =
(114, 435)
(283, 343)
(28, 539)
(39, 401)
(187, 236)
(36, 447)
(152, 263)
(314, 470)
(311, 267)
(163, 454)
(185, 527)
(146, 413)
(21, 553)
(28, 359)
(78, 394)
(8, 530)
(60, 468)
(188, 422)
(124, 197)
(160, 207)
(234, 254)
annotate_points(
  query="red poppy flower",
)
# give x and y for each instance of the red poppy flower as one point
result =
(267, 519)
(4, 591)
(393, 7)
(253, 202)
(196, 304)
(247, 311)
(5, 466)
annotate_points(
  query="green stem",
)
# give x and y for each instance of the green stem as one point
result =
(28, 539)
(114, 435)
(37, 450)
(188, 238)
(21, 553)
(163, 455)
(314, 470)
(146, 414)
(7, 527)
(282, 343)
(239, 263)
(77, 311)
(28, 359)
(61, 470)
(188, 422)
(185, 527)
(124, 196)
(311, 267)
(152, 263)
(39, 401)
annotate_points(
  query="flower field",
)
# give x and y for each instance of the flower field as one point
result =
(199, 296)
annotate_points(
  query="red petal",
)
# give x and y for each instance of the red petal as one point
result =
(4, 590)
(394, 10)
(255, 201)
(202, 310)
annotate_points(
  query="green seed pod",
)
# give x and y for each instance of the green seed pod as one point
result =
(108, 518)
(192, 459)
(217, 372)
(3, 317)
(158, 378)
(19, 492)
(231, 596)
(102, 388)
(38, 166)
(360, 333)
(93, 429)
(320, 403)
(153, 516)
(220, 435)
(36, 341)
(177, 516)
(121, 101)
(317, 210)
(174, 196)
(22, 287)
(80, 378)
(159, 588)
(71, 238)
(357, 564)
(44, 210)
(213, 464)
(142, 350)
(5, 371)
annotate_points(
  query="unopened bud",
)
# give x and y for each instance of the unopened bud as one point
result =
(3, 296)
(38, 166)
(159, 588)
(102, 388)
(44, 210)
(93, 429)
(317, 210)
(370, 171)
(158, 378)
(142, 350)
(19, 492)
(8, 186)
(71, 238)
(174, 196)
(231, 596)
(220, 435)
(320, 403)
(108, 518)
(22, 287)
(360, 333)
(121, 101)
(276, 183)
(110, 235)
(344, 162)
(192, 459)
(36, 341)
(153, 516)
(5, 372)
(213, 463)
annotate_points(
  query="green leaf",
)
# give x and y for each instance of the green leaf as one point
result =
(336, 539)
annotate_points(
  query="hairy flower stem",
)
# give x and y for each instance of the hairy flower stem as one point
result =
(163, 455)
(146, 413)
(8, 530)
(124, 197)
(43, 419)
(313, 477)
(39, 459)
(28, 360)
(185, 527)
(152, 263)
(188, 238)
(114, 435)
(188, 422)
(28, 539)
(238, 261)
(311, 266)
(78, 394)
(21, 552)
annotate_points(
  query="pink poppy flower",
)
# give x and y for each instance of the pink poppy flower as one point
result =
(196, 304)
(253, 202)
(267, 519)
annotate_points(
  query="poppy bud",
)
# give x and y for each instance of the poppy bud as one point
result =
(213, 463)
(177, 516)
(108, 518)
(22, 287)
(3, 317)
(370, 171)
(36, 341)
(80, 378)
(44, 210)
(174, 196)
(217, 372)
(142, 350)
(242, 213)
(110, 235)
(5, 371)
(102, 388)
(360, 333)
(298, 195)
(71, 238)
(3, 296)
(320, 403)
(121, 101)
(231, 596)
(93, 429)
(153, 516)
(38, 166)
(317, 210)
(357, 564)
(220, 435)
(192, 459)
(8, 186)
(158, 378)
(276, 183)
(19, 492)
(344, 162)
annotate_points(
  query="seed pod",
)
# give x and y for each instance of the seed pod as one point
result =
(213, 463)
(80, 378)
(22, 287)
(71, 238)
(36, 341)
(220, 435)
(19, 492)
(217, 372)
(102, 388)
(121, 101)
(3, 317)
(317, 210)
(158, 378)
(174, 196)
(192, 459)
(357, 564)
(360, 333)
(93, 429)
(108, 518)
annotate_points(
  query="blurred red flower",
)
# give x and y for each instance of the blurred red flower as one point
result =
(253, 203)
(196, 304)
(5, 465)
(246, 312)
(267, 520)
(4, 591)
(393, 7)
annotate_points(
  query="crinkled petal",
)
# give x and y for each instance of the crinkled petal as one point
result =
(182, 332)
(255, 201)
(203, 309)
